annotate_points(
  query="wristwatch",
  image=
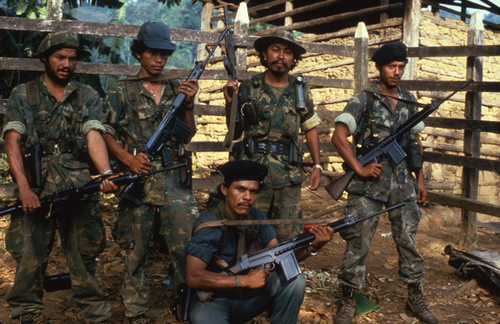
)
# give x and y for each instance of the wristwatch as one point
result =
(318, 166)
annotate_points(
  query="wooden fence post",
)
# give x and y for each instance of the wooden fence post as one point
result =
(205, 25)
(288, 7)
(241, 23)
(411, 24)
(472, 138)
(360, 58)
(55, 9)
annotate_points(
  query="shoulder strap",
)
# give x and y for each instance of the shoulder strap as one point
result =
(366, 114)
(33, 94)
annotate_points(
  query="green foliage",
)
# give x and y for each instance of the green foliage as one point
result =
(29, 8)
(112, 50)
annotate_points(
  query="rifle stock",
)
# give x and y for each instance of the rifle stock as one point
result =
(337, 187)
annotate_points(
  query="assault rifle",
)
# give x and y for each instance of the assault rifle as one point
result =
(74, 193)
(169, 127)
(389, 146)
(230, 66)
(283, 253)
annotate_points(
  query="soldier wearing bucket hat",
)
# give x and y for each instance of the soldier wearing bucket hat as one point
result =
(273, 107)
(369, 117)
(169, 201)
(56, 113)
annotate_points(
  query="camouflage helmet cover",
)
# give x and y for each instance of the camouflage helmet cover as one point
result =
(63, 39)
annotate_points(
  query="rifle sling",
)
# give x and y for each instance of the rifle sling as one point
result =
(247, 222)
(161, 77)
(409, 102)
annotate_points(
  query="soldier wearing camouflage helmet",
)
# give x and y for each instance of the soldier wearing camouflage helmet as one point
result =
(270, 119)
(62, 117)
(370, 116)
(169, 201)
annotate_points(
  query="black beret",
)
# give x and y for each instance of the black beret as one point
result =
(390, 52)
(240, 170)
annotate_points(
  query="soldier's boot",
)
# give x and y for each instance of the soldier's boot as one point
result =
(28, 318)
(416, 305)
(347, 306)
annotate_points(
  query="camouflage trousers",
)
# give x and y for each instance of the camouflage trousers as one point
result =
(30, 238)
(404, 226)
(134, 229)
(286, 205)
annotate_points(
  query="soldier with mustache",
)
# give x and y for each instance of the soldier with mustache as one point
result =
(273, 107)
(62, 117)
(239, 298)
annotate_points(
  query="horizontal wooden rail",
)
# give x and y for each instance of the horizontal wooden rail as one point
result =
(464, 203)
(176, 34)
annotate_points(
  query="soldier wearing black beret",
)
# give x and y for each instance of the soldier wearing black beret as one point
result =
(369, 117)
(240, 297)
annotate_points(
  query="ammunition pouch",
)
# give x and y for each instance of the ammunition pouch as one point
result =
(296, 153)
(187, 172)
(291, 150)
(33, 165)
(57, 147)
(249, 113)
(414, 158)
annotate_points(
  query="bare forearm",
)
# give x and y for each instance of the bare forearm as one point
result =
(97, 150)
(15, 159)
(312, 140)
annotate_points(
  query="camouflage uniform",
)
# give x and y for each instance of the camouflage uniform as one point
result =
(30, 236)
(396, 184)
(278, 122)
(166, 199)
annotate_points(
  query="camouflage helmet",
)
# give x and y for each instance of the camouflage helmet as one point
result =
(62, 39)
(279, 36)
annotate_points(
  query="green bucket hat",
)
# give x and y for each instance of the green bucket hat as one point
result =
(60, 39)
(279, 36)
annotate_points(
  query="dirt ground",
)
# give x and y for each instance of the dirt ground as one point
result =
(452, 299)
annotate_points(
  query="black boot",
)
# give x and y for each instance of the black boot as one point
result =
(416, 305)
(347, 306)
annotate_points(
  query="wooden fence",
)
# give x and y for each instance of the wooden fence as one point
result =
(468, 158)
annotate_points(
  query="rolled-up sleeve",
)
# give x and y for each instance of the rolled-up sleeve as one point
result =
(93, 125)
(15, 126)
(310, 123)
(348, 120)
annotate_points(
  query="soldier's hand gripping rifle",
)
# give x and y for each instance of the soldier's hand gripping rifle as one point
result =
(283, 254)
(74, 193)
(170, 126)
(230, 66)
(389, 146)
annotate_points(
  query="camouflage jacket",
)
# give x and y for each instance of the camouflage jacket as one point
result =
(131, 124)
(369, 127)
(278, 121)
(56, 121)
